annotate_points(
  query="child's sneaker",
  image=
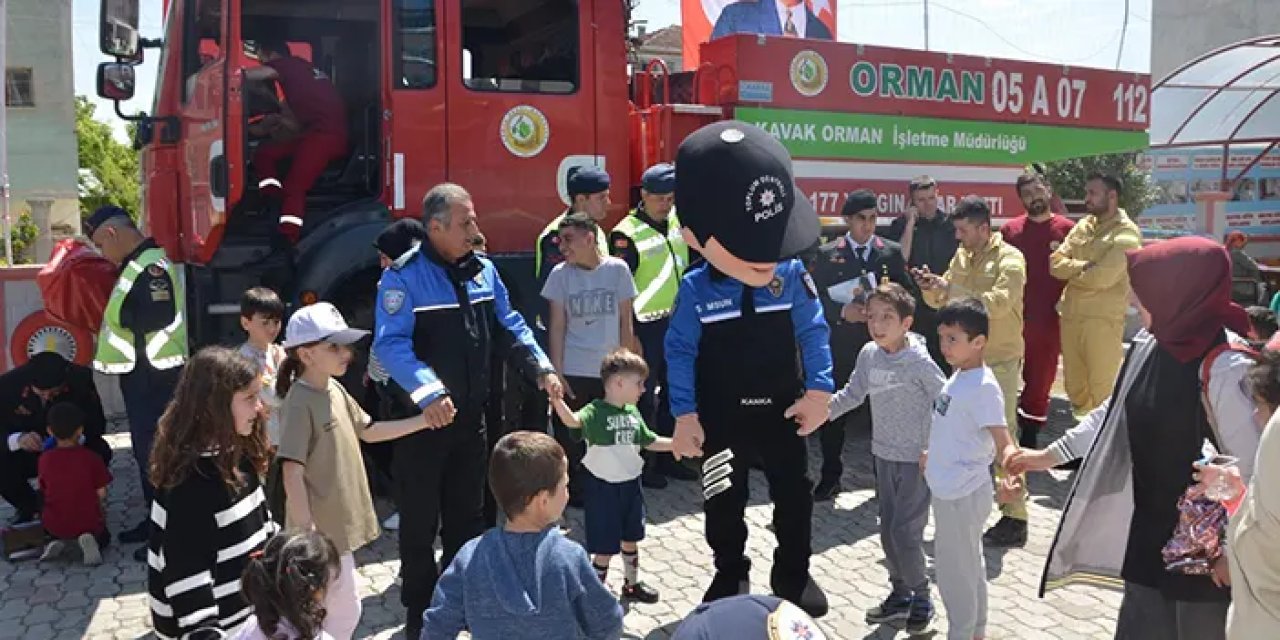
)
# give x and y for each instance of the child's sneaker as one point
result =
(89, 545)
(53, 550)
(894, 608)
(920, 616)
(640, 592)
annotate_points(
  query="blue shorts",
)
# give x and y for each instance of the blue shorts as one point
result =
(614, 513)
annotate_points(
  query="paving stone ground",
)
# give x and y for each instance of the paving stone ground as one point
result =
(67, 600)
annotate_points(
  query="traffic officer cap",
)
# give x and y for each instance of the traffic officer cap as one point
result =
(734, 184)
(104, 213)
(320, 322)
(859, 201)
(749, 617)
(48, 370)
(659, 179)
(587, 179)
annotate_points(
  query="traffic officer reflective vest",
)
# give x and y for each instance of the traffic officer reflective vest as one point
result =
(166, 348)
(662, 261)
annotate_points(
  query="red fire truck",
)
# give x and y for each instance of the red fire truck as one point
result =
(504, 96)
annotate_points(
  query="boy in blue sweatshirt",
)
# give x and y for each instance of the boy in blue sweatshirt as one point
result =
(524, 579)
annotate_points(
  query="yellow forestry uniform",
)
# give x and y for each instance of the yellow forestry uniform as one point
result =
(1092, 263)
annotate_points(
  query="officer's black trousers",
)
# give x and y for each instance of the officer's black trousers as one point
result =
(440, 476)
(146, 392)
(584, 390)
(654, 405)
(764, 432)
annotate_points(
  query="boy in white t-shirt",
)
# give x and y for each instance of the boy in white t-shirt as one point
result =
(968, 429)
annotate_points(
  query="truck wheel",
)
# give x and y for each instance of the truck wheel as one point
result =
(42, 332)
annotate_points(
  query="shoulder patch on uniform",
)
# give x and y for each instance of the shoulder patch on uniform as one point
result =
(392, 300)
(775, 286)
(789, 622)
(155, 270)
(809, 285)
(160, 289)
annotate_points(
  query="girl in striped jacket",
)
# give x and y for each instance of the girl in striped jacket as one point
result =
(209, 512)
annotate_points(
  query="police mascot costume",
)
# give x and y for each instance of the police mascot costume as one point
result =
(748, 357)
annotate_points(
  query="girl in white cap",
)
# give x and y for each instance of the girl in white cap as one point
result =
(320, 432)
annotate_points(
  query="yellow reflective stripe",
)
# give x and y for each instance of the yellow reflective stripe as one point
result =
(124, 367)
(161, 337)
(168, 363)
(657, 283)
(121, 345)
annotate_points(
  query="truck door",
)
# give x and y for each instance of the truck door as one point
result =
(413, 138)
(202, 148)
(212, 141)
(521, 109)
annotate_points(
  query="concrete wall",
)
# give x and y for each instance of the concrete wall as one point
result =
(1184, 29)
(42, 141)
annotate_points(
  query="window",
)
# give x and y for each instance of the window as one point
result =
(19, 87)
(414, 43)
(525, 46)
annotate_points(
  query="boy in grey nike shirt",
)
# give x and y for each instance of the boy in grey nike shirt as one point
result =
(896, 372)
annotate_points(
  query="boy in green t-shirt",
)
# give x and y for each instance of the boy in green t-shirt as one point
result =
(615, 433)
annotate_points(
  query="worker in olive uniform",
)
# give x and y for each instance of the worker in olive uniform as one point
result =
(748, 357)
(649, 241)
(143, 339)
(846, 270)
(26, 395)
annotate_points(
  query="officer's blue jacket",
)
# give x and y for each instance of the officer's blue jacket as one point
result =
(432, 344)
(707, 297)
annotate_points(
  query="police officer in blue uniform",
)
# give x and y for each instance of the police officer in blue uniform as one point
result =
(748, 357)
(440, 318)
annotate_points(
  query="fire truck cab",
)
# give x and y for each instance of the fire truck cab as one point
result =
(500, 96)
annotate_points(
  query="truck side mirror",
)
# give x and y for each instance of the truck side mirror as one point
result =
(118, 29)
(115, 81)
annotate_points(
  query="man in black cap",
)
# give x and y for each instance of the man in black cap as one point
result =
(748, 357)
(846, 270)
(649, 241)
(928, 242)
(26, 394)
(143, 337)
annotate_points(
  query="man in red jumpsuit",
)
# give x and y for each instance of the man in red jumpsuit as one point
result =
(311, 131)
(1037, 234)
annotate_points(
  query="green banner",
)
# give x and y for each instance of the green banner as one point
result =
(856, 136)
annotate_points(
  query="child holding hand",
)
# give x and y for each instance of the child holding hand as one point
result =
(615, 433)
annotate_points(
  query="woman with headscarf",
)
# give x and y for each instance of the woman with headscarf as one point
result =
(1180, 384)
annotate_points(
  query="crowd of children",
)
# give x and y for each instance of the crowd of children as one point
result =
(273, 418)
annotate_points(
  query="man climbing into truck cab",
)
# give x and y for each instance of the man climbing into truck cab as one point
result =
(143, 337)
(311, 131)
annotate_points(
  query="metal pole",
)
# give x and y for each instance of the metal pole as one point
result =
(926, 25)
(4, 139)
